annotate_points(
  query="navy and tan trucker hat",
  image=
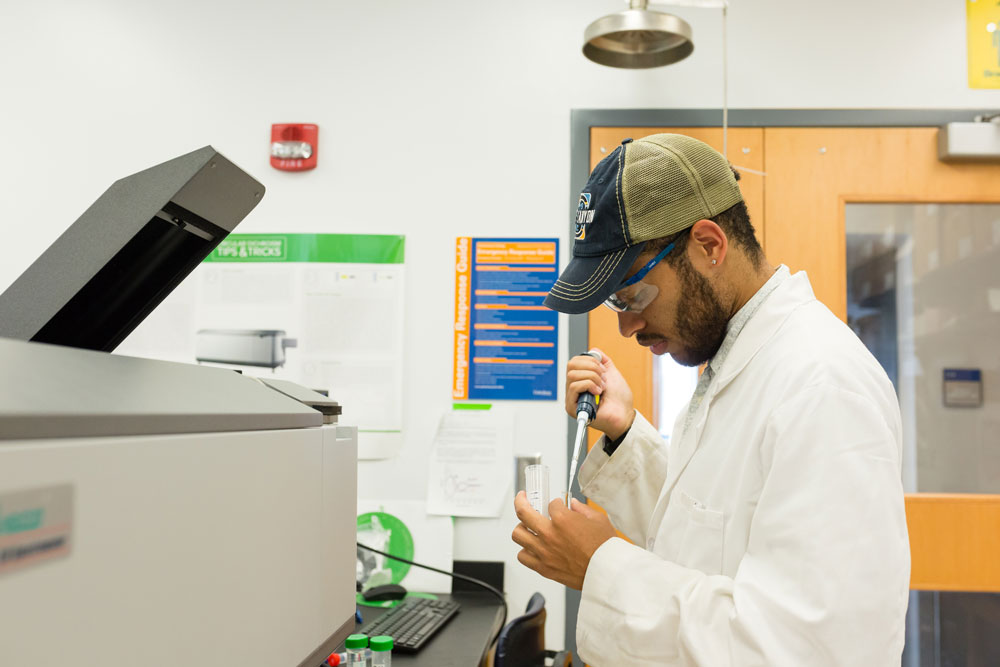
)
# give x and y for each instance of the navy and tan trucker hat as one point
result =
(645, 189)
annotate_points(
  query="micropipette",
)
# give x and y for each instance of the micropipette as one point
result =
(586, 409)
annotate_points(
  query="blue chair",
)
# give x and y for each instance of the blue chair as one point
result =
(522, 641)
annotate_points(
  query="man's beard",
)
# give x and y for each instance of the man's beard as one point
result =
(701, 320)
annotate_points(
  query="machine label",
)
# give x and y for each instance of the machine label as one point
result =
(36, 525)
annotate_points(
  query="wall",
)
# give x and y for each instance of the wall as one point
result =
(437, 119)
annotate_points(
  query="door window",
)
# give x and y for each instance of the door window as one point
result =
(923, 294)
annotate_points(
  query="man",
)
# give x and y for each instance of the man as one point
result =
(771, 529)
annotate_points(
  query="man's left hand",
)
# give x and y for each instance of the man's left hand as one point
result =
(560, 548)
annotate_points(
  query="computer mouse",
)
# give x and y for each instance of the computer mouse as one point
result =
(385, 592)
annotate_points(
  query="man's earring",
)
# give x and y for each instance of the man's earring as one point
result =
(713, 261)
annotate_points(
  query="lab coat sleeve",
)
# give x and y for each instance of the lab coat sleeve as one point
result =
(824, 579)
(627, 484)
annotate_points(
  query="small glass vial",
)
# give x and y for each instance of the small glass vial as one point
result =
(381, 651)
(536, 485)
(357, 650)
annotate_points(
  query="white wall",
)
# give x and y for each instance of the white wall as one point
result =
(437, 119)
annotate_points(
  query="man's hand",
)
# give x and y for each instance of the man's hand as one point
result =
(560, 549)
(615, 412)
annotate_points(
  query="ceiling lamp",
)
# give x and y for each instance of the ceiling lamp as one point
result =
(638, 38)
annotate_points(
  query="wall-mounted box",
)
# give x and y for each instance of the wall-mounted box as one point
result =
(969, 142)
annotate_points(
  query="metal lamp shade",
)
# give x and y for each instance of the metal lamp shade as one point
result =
(637, 39)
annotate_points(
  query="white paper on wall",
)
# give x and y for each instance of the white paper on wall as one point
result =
(327, 325)
(471, 464)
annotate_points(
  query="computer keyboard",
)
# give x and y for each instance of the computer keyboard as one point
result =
(412, 622)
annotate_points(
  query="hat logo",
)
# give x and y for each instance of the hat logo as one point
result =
(584, 216)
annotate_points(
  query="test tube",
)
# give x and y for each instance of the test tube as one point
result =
(536, 484)
(357, 650)
(381, 647)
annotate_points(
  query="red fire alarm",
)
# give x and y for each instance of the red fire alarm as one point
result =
(293, 146)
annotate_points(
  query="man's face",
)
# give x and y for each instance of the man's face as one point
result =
(686, 319)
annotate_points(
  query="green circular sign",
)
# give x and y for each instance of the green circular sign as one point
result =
(387, 533)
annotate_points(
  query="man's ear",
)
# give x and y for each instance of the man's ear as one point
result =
(708, 244)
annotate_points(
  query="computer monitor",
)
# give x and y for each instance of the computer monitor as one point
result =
(128, 251)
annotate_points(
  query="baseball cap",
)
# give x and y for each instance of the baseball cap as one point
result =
(645, 189)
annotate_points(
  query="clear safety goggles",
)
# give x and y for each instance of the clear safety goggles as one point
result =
(633, 295)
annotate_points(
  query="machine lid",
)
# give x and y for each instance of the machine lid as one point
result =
(99, 280)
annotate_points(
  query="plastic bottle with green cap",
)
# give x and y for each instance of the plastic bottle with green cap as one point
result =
(357, 650)
(381, 651)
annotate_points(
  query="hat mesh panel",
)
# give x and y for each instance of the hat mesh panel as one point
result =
(661, 182)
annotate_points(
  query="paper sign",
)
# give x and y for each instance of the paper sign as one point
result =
(323, 310)
(963, 387)
(471, 464)
(505, 340)
(983, 41)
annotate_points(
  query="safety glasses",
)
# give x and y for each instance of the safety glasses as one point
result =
(633, 295)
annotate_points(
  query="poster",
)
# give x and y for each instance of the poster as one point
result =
(505, 343)
(322, 310)
(983, 43)
(469, 474)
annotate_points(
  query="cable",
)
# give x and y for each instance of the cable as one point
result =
(455, 575)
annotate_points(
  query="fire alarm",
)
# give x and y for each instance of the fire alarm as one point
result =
(293, 146)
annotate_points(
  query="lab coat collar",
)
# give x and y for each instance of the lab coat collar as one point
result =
(794, 292)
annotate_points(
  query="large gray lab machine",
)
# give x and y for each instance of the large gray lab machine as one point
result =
(156, 513)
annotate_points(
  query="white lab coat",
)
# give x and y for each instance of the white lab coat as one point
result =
(772, 532)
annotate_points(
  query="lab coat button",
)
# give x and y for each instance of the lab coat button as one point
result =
(649, 544)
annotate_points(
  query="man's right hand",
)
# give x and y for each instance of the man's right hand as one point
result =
(615, 413)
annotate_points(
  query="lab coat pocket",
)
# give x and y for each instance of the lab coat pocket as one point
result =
(701, 545)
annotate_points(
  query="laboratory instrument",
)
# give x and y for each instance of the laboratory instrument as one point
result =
(536, 485)
(141, 500)
(586, 410)
(357, 650)
(381, 647)
(520, 463)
